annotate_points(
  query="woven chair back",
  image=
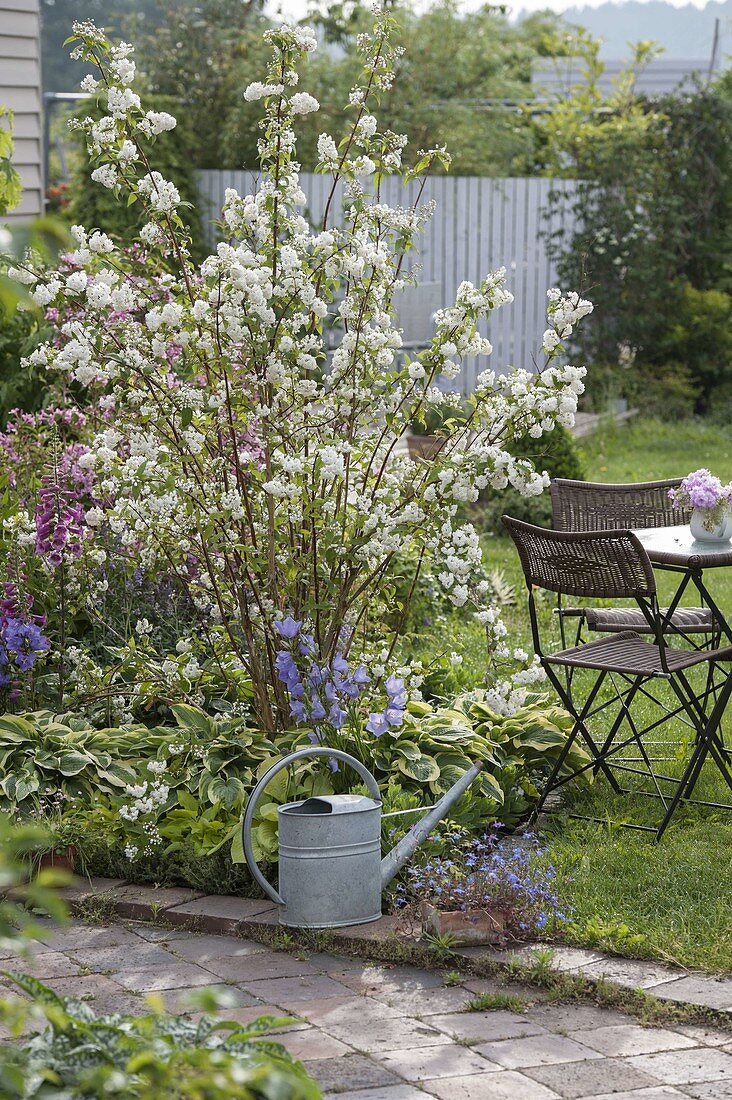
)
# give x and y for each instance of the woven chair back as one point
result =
(596, 506)
(601, 565)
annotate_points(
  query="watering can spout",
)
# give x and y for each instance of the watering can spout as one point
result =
(406, 847)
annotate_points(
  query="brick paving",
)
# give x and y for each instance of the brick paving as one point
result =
(376, 1031)
(220, 914)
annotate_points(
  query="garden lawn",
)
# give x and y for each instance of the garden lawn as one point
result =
(627, 894)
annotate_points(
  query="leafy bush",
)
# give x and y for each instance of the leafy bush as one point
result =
(78, 1054)
(19, 387)
(668, 390)
(701, 338)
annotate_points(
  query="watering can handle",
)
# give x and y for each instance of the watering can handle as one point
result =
(246, 829)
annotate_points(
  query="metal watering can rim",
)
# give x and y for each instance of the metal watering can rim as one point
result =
(292, 809)
(398, 855)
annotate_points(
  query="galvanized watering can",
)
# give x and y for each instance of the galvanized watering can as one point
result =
(330, 868)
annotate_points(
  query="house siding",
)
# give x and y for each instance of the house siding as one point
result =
(20, 90)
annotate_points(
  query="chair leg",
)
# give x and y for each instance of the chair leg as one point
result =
(580, 720)
(705, 744)
(579, 726)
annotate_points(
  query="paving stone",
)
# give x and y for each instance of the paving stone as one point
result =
(389, 979)
(486, 1026)
(490, 1086)
(311, 1044)
(705, 1035)
(710, 1090)
(629, 1039)
(681, 1067)
(176, 975)
(184, 1000)
(259, 965)
(25, 951)
(343, 1009)
(82, 890)
(352, 1071)
(334, 964)
(291, 991)
(699, 991)
(105, 995)
(575, 1079)
(537, 1050)
(386, 928)
(426, 1002)
(656, 1092)
(448, 1060)
(145, 902)
(372, 1027)
(201, 949)
(246, 1016)
(157, 933)
(143, 956)
(212, 913)
(567, 1018)
(391, 1092)
(78, 937)
(269, 916)
(569, 959)
(384, 1034)
(49, 964)
(633, 973)
(501, 986)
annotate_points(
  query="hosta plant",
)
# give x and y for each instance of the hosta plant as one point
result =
(45, 759)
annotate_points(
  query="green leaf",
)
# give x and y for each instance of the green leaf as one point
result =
(237, 845)
(71, 763)
(190, 718)
(424, 770)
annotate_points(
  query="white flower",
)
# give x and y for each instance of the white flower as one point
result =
(161, 193)
(257, 90)
(121, 100)
(100, 243)
(106, 174)
(302, 103)
(327, 149)
(94, 517)
(76, 281)
(159, 121)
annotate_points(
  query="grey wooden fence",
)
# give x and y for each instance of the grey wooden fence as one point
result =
(479, 224)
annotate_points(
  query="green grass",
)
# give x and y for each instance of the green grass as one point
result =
(627, 894)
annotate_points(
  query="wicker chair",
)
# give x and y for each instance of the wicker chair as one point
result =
(596, 506)
(614, 565)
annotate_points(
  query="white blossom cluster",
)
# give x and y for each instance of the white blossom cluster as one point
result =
(242, 453)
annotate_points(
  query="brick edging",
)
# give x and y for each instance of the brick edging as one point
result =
(225, 915)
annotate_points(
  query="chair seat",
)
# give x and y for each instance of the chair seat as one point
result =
(685, 620)
(628, 653)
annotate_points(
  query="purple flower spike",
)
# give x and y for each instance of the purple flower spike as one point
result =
(288, 628)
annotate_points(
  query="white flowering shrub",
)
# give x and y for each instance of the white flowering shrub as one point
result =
(235, 454)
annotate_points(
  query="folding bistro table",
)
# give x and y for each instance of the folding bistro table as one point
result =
(675, 550)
